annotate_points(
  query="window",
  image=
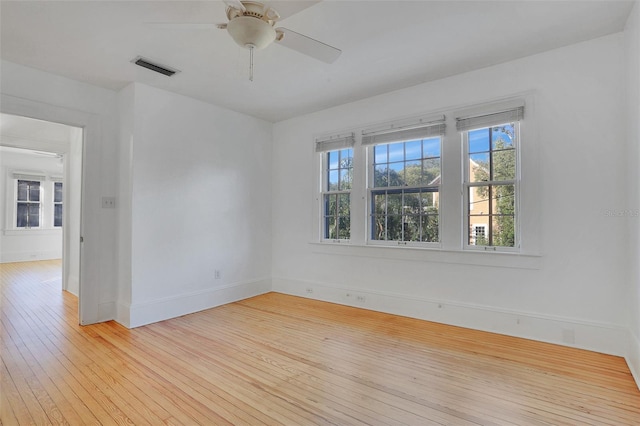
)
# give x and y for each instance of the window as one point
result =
(404, 197)
(57, 204)
(337, 181)
(479, 234)
(28, 204)
(491, 178)
(404, 183)
(412, 183)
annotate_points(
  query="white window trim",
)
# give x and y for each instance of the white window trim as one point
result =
(452, 210)
(54, 203)
(466, 184)
(371, 189)
(324, 145)
(41, 202)
(46, 202)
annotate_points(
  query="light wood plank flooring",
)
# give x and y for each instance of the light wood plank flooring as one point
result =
(277, 359)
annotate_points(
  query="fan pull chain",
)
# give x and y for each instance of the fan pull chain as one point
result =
(250, 63)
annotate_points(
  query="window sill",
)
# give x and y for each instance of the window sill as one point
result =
(430, 254)
(31, 231)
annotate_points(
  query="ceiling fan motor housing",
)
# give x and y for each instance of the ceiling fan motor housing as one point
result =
(249, 32)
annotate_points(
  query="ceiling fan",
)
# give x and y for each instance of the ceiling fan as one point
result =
(251, 24)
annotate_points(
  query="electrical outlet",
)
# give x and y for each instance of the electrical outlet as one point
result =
(309, 290)
(108, 202)
(360, 298)
(216, 274)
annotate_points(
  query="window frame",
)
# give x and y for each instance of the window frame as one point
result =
(326, 191)
(372, 190)
(57, 203)
(324, 145)
(467, 185)
(39, 203)
(453, 218)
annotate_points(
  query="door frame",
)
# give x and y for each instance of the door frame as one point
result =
(88, 291)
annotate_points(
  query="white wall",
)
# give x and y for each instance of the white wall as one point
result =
(200, 201)
(42, 95)
(632, 51)
(575, 293)
(20, 245)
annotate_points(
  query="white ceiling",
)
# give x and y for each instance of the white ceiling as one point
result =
(386, 45)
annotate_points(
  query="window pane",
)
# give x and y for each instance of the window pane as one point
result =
(503, 231)
(431, 170)
(411, 227)
(380, 204)
(478, 234)
(345, 179)
(380, 176)
(346, 156)
(34, 191)
(430, 228)
(428, 202)
(502, 137)
(479, 200)
(23, 189)
(394, 204)
(479, 167)
(57, 215)
(330, 204)
(57, 192)
(504, 165)
(378, 227)
(330, 228)
(394, 227)
(22, 216)
(396, 174)
(344, 227)
(493, 219)
(380, 154)
(333, 159)
(413, 150)
(503, 199)
(343, 205)
(396, 152)
(413, 173)
(478, 140)
(34, 215)
(431, 147)
(411, 204)
(334, 176)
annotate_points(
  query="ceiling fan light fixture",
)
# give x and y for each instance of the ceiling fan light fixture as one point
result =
(250, 32)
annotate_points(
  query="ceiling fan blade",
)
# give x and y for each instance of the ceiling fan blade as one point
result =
(308, 46)
(183, 25)
(287, 8)
(235, 4)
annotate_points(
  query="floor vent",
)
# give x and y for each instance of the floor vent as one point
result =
(162, 69)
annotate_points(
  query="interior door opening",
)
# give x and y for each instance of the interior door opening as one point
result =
(41, 194)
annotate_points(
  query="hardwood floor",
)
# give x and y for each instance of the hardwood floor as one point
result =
(277, 359)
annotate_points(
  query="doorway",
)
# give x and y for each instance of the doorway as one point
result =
(41, 193)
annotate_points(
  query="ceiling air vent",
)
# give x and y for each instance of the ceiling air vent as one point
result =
(162, 69)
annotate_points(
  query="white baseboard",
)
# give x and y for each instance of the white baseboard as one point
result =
(605, 338)
(106, 311)
(29, 256)
(140, 314)
(73, 285)
(122, 314)
(633, 357)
